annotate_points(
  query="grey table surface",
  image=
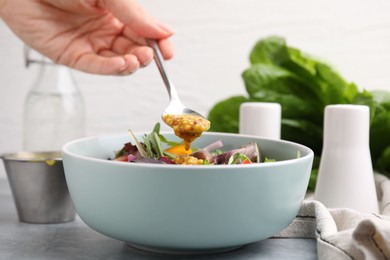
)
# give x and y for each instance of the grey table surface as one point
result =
(75, 240)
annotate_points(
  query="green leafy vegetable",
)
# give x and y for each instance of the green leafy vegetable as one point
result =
(304, 85)
(224, 115)
(269, 160)
(140, 147)
(153, 142)
(238, 158)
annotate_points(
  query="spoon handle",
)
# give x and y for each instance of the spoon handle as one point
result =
(160, 65)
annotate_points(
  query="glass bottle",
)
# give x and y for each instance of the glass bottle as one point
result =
(54, 111)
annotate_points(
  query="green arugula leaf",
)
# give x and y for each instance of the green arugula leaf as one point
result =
(152, 142)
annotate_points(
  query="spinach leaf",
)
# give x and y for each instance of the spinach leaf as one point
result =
(270, 83)
(272, 50)
(224, 115)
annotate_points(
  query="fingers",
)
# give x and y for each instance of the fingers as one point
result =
(124, 58)
(165, 44)
(139, 25)
(128, 51)
(123, 45)
(107, 63)
(110, 62)
(134, 16)
(166, 48)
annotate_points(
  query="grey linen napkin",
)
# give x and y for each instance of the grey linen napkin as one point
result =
(343, 233)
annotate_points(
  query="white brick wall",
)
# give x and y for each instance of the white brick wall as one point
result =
(212, 41)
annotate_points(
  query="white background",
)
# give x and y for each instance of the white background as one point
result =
(212, 41)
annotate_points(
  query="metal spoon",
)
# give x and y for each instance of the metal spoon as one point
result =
(175, 106)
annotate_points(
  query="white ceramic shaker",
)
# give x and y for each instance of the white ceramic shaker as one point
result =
(261, 119)
(345, 178)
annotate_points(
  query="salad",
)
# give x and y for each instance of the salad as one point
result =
(150, 150)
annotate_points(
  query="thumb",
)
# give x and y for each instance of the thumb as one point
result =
(134, 16)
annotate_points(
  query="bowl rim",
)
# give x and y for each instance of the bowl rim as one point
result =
(310, 153)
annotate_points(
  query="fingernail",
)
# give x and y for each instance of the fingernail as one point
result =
(146, 63)
(165, 27)
(127, 68)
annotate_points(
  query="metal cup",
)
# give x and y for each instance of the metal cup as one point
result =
(39, 188)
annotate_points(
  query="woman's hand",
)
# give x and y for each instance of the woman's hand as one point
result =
(102, 37)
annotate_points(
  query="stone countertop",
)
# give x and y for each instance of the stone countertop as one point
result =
(75, 240)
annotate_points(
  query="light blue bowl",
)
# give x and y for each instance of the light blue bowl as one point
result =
(187, 209)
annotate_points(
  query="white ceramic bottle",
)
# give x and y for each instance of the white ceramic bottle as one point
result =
(345, 178)
(54, 111)
(261, 119)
